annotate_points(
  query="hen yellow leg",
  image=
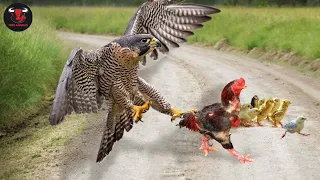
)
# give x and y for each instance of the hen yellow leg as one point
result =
(140, 109)
(177, 113)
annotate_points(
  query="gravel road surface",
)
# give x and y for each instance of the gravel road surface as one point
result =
(192, 77)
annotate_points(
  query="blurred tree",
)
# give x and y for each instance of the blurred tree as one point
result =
(303, 2)
(313, 2)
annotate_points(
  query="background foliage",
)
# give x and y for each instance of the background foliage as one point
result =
(139, 2)
(272, 28)
(31, 62)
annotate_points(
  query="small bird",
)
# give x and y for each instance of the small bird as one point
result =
(255, 101)
(276, 105)
(253, 113)
(261, 102)
(264, 110)
(278, 115)
(244, 116)
(295, 125)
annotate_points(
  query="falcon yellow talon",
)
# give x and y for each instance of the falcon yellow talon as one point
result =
(193, 110)
(139, 110)
(175, 114)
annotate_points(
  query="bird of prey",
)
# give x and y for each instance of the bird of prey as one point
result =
(110, 74)
(170, 21)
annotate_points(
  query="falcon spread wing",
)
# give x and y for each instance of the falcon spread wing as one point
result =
(170, 21)
(77, 87)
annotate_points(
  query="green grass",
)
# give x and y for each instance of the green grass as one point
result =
(31, 62)
(35, 151)
(289, 29)
(94, 20)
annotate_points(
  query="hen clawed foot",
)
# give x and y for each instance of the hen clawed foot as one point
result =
(244, 159)
(240, 157)
(140, 109)
(205, 147)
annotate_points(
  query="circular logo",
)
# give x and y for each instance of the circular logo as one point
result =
(17, 17)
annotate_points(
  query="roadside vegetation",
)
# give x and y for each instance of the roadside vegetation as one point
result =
(287, 29)
(37, 151)
(31, 62)
(93, 20)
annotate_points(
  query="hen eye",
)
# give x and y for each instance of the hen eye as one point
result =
(145, 40)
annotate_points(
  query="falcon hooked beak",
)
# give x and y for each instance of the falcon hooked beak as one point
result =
(148, 45)
(155, 43)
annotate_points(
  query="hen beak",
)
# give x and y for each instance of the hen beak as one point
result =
(155, 43)
(305, 118)
(245, 87)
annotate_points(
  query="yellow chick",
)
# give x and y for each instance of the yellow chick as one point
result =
(261, 102)
(265, 110)
(245, 119)
(278, 115)
(276, 105)
(253, 113)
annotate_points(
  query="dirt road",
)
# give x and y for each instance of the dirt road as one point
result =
(190, 78)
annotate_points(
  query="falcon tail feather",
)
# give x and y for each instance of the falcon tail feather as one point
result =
(113, 131)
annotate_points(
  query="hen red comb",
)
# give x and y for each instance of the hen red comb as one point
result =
(242, 81)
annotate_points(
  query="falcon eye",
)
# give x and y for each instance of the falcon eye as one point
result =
(145, 40)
